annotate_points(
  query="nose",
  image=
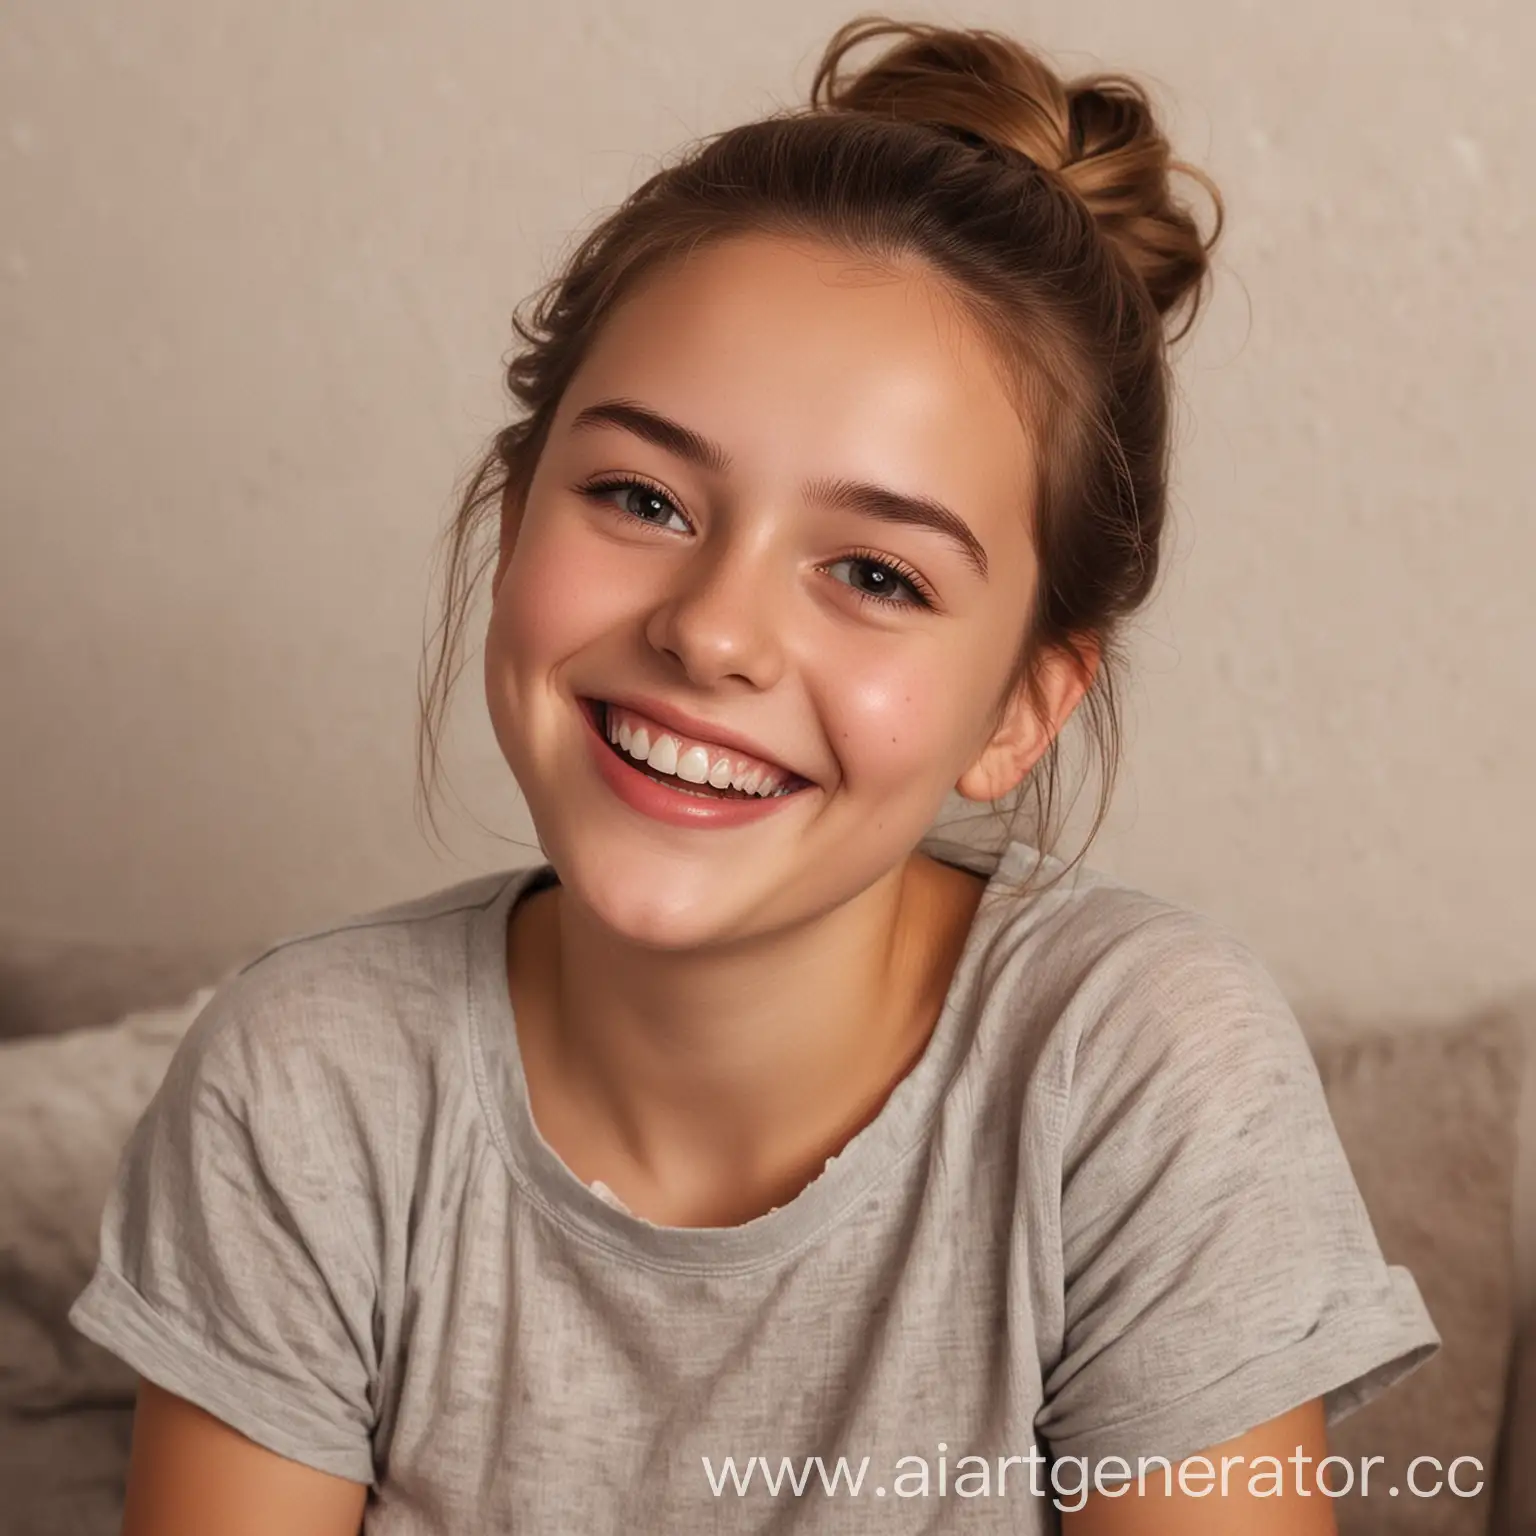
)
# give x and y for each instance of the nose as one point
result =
(723, 618)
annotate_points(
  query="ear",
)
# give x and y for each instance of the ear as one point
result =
(1023, 735)
(511, 522)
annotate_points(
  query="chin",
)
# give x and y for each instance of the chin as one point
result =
(648, 900)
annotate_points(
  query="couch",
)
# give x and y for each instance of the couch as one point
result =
(1438, 1120)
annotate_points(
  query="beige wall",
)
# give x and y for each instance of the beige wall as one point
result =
(256, 264)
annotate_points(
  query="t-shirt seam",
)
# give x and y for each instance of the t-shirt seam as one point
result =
(388, 1374)
(373, 1267)
(374, 1263)
(496, 1129)
(366, 920)
(1061, 1094)
(1060, 1103)
(698, 1267)
(370, 1259)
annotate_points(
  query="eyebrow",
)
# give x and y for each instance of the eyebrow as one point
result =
(877, 501)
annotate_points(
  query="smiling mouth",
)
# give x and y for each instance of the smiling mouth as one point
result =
(597, 712)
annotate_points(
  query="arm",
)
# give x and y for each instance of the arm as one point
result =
(190, 1474)
(1155, 1512)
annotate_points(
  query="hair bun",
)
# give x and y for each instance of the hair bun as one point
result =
(1097, 136)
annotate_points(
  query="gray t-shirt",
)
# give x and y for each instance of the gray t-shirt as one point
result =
(1106, 1214)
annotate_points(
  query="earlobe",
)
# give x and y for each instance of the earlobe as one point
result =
(1013, 750)
(1024, 736)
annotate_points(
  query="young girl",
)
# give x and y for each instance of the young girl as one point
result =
(759, 1162)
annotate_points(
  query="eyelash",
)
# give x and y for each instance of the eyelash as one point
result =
(922, 593)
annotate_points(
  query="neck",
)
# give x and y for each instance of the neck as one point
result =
(709, 1087)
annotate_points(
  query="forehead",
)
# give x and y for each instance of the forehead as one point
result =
(789, 350)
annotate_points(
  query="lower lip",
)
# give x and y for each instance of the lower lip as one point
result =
(640, 792)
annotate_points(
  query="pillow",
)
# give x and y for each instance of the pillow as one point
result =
(68, 1103)
(65, 1474)
(1428, 1119)
(51, 985)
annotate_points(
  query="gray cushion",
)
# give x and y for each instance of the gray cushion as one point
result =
(64, 1474)
(68, 1103)
(50, 985)
(1428, 1118)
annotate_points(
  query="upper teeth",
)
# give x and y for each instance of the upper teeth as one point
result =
(695, 762)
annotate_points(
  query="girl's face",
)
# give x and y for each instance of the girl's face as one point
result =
(781, 521)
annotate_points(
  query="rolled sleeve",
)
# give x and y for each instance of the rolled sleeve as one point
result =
(231, 1271)
(1218, 1264)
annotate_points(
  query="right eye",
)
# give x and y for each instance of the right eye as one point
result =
(651, 505)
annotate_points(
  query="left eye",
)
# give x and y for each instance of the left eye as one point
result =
(878, 580)
(640, 501)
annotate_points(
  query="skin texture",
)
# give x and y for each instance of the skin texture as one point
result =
(706, 1015)
(192, 1475)
(1291, 1513)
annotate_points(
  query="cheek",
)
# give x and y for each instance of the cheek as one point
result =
(545, 611)
(900, 721)
(559, 593)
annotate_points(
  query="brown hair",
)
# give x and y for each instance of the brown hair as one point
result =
(1044, 207)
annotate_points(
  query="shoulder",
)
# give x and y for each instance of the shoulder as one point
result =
(1166, 1071)
(1119, 989)
(363, 984)
(342, 1034)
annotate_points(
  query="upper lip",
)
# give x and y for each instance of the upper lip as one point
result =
(700, 730)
